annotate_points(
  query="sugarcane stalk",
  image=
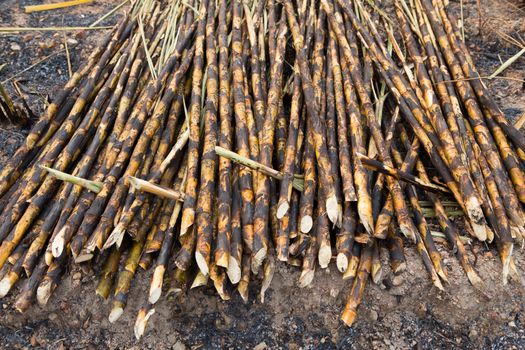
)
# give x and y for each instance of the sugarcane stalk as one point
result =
(261, 210)
(358, 287)
(400, 175)
(246, 182)
(237, 158)
(333, 208)
(188, 210)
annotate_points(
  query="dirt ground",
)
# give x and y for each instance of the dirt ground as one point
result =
(410, 315)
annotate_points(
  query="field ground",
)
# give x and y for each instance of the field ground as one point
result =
(412, 314)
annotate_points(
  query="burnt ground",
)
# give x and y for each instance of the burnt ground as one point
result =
(410, 315)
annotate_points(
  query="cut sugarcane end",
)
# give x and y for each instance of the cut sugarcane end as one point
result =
(243, 291)
(200, 280)
(141, 322)
(282, 209)
(156, 284)
(399, 268)
(441, 273)
(479, 231)
(306, 224)
(475, 280)
(348, 317)
(281, 256)
(408, 232)
(116, 237)
(258, 259)
(506, 256)
(43, 292)
(438, 284)
(324, 256)
(333, 209)
(83, 257)
(48, 258)
(234, 270)
(115, 314)
(365, 214)
(377, 275)
(202, 263)
(58, 243)
(342, 262)
(307, 276)
(6, 284)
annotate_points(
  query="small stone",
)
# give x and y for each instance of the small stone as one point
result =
(77, 276)
(48, 44)
(179, 346)
(397, 280)
(421, 310)
(34, 341)
(15, 47)
(52, 316)
(512, 324)
(333, 292)
(28, 37)
(71, 41)
(473, 334)
(372, 315)
(293, 346)
(260, 346)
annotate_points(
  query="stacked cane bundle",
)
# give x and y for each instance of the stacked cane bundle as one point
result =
(210, 139)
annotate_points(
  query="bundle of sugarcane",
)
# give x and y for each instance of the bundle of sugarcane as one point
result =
(206, 140)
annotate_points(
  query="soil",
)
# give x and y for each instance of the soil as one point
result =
(411, 314)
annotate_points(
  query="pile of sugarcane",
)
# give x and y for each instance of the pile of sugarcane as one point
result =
(208, 139)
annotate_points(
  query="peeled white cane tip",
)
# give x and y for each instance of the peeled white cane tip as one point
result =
(58, 243)
(234, 270)
(115, 314)
(282, 209)
(325, 254)
(154, 295)
(443, 276)
(200, 280)
(202, 264)
(378, 276)
(141, 322)
(258, 259)
(306, 278)
(156, 284)
(489, 233)
(83, 257)
(185, 223)
(48, 257)
(43, 293)
(342, 262)
(479, 231)
(407, 232)
(332, 209)
(306, 224)
(116, 237)
(5, 287)
(506, 265)
(364, 210)
(474, 279)
(438, 284)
